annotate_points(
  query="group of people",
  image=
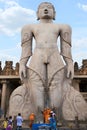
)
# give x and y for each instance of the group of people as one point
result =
(49, 117)
(8, 122)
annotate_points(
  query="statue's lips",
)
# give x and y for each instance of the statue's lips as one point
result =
(45, 12)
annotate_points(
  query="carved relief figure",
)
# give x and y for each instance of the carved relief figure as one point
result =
(8, 69)
(49, 73)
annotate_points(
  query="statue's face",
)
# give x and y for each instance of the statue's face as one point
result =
(45, 11)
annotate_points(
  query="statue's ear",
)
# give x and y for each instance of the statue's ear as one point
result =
(38, 15)
(54, 14)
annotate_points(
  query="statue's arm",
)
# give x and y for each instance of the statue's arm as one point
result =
(65, 40)
(26, 44)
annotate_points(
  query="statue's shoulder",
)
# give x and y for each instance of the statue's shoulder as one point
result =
(65, 27)
(27, 27)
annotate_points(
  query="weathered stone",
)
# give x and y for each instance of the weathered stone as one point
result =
(47, 80)
(0, 68)
(8, 69)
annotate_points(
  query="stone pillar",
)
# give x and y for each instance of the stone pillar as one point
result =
(3, 97)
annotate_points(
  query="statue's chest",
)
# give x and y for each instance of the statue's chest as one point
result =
(45, 30)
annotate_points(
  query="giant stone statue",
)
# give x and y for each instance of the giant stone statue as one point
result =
(47, 78)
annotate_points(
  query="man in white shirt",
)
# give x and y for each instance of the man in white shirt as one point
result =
(19, 120)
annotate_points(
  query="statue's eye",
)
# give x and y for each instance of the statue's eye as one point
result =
(42, 6)
(49, 6)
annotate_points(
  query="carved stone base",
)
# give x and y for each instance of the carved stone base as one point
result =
(73, 103)
(20, 102)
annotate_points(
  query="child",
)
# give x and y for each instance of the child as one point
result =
(5, 123)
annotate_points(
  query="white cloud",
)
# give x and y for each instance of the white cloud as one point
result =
(6, 57)
(11, 53)
(1, 10)
(79, 56)
(18, 45)
(13, 17)
(79, 49)
(82, 6)
(80, 43)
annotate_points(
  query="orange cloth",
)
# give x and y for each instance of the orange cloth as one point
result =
(32, 117)
(46, 114)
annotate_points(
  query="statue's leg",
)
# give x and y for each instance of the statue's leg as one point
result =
(36, 91)
(28, 97)
(56, 92)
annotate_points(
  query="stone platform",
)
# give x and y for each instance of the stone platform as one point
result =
(61, 128)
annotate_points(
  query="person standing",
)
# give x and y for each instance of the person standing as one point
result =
(10, 121)
(5, 123)
(31, 119)
(52, 122)
(19, 120)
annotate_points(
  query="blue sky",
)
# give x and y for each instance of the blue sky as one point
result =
(16, 13)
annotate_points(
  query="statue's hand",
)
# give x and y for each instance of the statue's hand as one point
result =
(22, 72)
(70, 70)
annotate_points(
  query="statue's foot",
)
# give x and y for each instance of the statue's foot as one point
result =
(74, 105)
(20, 102)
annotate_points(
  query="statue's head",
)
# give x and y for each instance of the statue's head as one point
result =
(46, 11)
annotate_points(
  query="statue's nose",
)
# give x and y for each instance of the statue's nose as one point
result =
(45, 11)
